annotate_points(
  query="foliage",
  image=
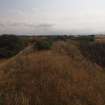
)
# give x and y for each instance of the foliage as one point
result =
(43, 44)
(10, 45)
(1, 99)
(95, 52)
(88, 38)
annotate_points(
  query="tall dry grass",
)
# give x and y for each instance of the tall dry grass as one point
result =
(60, 76)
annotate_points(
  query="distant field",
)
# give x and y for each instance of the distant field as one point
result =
(100, 39)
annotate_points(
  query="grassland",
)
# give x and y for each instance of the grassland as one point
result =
(61, 75)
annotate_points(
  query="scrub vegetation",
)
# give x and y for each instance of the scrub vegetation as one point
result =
(63, 72)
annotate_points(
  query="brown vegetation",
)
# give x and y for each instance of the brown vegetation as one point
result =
(100, 38)
(59, 76)
(95, 52)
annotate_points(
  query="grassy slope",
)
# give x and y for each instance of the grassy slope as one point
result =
(61, 76)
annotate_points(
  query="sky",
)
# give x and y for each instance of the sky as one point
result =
(48, 17)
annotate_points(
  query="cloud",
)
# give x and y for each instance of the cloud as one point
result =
(30, 25)
(2, 25)
(44, 28)
(45, 25)
(53, 21)
(26, 28)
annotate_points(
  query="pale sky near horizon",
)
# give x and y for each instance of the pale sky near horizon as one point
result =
(52, 16)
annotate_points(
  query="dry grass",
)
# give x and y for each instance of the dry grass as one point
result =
(60, 76)
(2, 60)
(100, 39)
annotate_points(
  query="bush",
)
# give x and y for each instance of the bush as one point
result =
(94, 52)
(10, 45)
(43, 45)
(2, 99)
(88, 38)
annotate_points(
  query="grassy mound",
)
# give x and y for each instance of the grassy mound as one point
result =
(60, 76)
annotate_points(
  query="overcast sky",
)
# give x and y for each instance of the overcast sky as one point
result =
(52, 16)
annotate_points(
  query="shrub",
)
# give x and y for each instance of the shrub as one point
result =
(88, 38)
(10, 45)
(43, 45)
(1, 99)
(94, 52)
